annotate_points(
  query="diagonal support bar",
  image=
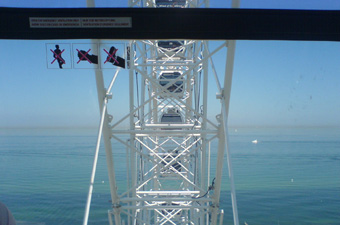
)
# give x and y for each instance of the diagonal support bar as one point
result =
(95, 160)
(102, 94)
(225, 112)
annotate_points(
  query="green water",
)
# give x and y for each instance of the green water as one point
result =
(292, 176)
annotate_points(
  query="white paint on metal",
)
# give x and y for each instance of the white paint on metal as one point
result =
(95, 160)
(169, 162)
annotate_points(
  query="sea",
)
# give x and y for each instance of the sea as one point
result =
(291, 176)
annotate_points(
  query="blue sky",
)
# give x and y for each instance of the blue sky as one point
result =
(265, 4)
(275, 83)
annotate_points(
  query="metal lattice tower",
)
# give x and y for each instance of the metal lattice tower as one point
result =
(169, 177)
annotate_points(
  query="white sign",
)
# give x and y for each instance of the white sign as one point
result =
(85, 56)
(58, 56)
(110, 54)
(107, 55)
(83, 22)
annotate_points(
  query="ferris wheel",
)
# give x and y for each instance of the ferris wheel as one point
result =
(169, 180)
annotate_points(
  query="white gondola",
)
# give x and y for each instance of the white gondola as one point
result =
(170, 50)
(174, 84)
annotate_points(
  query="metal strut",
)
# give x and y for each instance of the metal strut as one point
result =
(169, 134)
(89, 196)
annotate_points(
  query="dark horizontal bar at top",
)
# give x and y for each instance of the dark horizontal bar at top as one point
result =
(170, 23)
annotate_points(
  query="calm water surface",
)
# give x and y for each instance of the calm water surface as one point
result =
(291, 176)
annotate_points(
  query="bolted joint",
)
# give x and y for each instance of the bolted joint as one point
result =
(219, 118)
(215, 206)
(108, 96)
(219, 95)
(109, 118)
(116, 206)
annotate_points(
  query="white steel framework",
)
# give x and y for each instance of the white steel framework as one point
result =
(169, 135)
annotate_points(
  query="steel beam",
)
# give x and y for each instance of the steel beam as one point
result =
(188, 23)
